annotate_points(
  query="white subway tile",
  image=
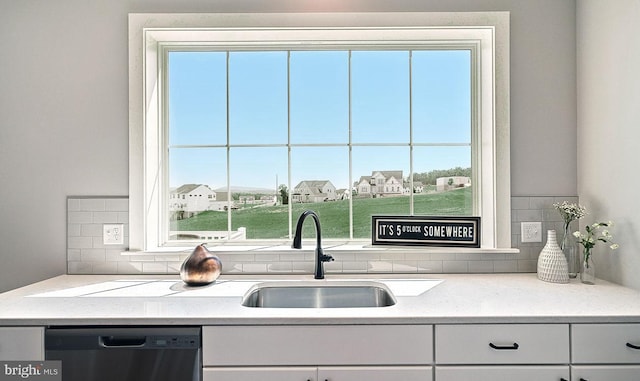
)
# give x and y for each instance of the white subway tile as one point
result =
(129, 267)
(154, 267)
(455, 266)
(79, 242)
(92, 204)
(93, 255)
(430, 266)
(105, 217)
(80, 217)
(116, 204)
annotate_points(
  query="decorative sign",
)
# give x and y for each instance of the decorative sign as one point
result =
(426, 231)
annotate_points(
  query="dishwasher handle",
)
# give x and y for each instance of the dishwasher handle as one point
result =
(122, 341)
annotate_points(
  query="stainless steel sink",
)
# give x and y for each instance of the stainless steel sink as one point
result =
(315, 294)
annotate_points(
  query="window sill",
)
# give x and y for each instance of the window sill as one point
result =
(283, 247)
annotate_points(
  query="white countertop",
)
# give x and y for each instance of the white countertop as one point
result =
(459, 298)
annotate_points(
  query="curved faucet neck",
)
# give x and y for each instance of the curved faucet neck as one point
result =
(297, 238)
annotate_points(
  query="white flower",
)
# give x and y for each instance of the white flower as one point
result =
(593, 235)
(570, 212)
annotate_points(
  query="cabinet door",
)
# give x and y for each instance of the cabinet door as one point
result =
(502, 373)
(605, 344)
(21, 343)
(605, 373)
(502, 344)
(376, 373)
(260, 374)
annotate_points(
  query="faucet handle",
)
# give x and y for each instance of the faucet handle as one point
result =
(326, 258)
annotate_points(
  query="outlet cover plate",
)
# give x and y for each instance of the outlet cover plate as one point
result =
(531, 232)
(113, 234)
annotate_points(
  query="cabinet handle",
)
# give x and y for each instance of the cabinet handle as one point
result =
(633, 346)
(582, 379)
(505, 347)
(563, 379)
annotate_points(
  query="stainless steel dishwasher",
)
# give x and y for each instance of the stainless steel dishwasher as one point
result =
(126, 353)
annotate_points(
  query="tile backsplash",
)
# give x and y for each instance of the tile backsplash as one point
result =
(87, 254)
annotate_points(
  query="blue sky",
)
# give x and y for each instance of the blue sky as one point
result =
(314, 95)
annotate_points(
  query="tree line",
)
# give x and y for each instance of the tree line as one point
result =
(429, 178)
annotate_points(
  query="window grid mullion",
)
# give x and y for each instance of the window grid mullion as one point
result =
(289, 189)
(349, 143)
(228, 148)
(411, 207)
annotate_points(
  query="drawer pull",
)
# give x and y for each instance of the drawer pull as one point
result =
(633, 346)
(505, 347)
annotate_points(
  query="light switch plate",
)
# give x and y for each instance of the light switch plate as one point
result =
(113, 234)
(531, 232)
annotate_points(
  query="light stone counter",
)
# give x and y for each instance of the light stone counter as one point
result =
(462, 298)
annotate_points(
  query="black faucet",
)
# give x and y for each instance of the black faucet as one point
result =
(297, 242)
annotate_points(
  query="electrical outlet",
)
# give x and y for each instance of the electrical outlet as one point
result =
(113, 234)
(531, 231)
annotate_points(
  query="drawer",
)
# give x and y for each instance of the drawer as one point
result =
(605, 373)
(342, 373)
(506, 373)
(605, 343)
(260, 374)
(502, 344)
(317, 345)
(376, 373)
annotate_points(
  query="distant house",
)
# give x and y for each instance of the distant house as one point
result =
(418, 187)
(314, 191)
(343, 194)
(189, 200)
(452, 182)
(247, 199)
(266, 199)
(252, 200)
(380, 184)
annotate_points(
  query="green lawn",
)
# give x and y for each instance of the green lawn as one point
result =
(266, 222)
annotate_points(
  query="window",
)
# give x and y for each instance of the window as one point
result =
(302, 112)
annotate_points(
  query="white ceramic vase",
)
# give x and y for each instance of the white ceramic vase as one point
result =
(552, 264)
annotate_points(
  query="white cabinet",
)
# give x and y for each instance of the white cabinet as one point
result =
(21, 343)
(339, 373)
(447, 352)
(502, 373)
(494, 352)
(318, 353)
(605, 352)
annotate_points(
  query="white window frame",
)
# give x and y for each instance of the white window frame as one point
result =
(487, 31)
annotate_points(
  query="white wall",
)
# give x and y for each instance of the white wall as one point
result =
(608, 36)
(63, 106)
